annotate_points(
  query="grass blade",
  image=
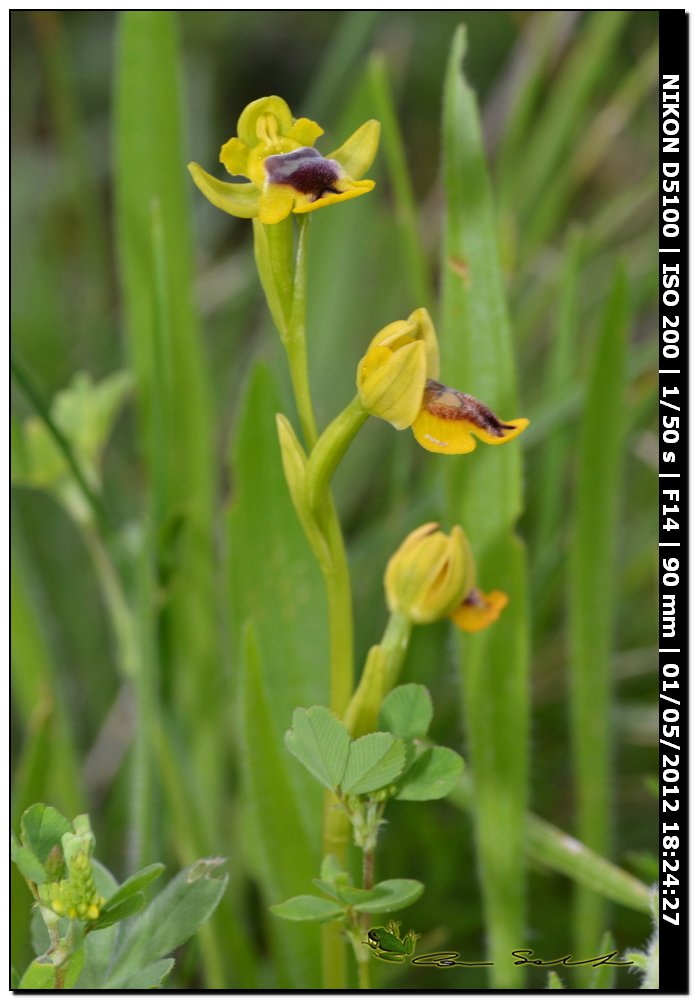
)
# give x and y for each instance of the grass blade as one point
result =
(565, 110)
(591, 592)
(417, 274)
(286, 859)
(484, 495)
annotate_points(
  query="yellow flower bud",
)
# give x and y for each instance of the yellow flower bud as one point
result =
(429, 575)
(393, 373)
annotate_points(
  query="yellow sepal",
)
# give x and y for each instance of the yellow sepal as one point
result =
(357, 153)
(238, 199)
(391, 383)
(265, 108)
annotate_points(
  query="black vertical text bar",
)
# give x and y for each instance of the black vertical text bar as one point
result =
(673, 430)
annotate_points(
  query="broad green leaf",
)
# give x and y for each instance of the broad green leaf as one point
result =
(484, 493)
(42, 827)
(135, 883)
(284, 857)
(39, 976)
(554, 982)
(310, 908)
(593, 587)
(393, 894)
(329, 888)
(432, 776)
(374, 760)
(164, 347)
(169, 920)
(276, 584)
(146, 978)
(110, 915)
(27, 862)
(43, 975)
(320, 741)
(407, 711)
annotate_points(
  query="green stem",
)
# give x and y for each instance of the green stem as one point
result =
(295, 339)
(363, 973)
(274, 270)
(379, 676)
(115, 600)
(330, 449)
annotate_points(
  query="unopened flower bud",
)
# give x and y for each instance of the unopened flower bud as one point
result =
(392, 375)
(429, 574)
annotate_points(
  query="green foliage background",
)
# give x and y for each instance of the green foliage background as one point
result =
(189, 759)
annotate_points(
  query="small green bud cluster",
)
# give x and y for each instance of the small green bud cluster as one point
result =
(76, 896)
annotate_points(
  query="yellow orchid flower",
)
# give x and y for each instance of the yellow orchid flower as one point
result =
(432, 576)
(397, 381)
(285, 173)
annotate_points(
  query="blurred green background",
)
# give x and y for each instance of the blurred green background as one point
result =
(570, 117)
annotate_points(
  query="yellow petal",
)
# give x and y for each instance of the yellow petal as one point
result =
(479, 610)
(449, 422)
(304, 131)
(234, 156)
(240, 200)
(275, 203)
(355, 188)
(248, 120)
(357, 153)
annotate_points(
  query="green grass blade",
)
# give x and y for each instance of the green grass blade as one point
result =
(39, 700)
(274, 579)
(164, 343)
(417, 273)
(484, 495)
(286, 859)
(336, 72)
(566, 109)
(542, 41)
(592, 590)
(549, 480)
(552, 847)
(597, 142)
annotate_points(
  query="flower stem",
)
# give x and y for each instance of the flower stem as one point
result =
(294, 340)
(330, 449)
(379, 676)
(335, 567)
